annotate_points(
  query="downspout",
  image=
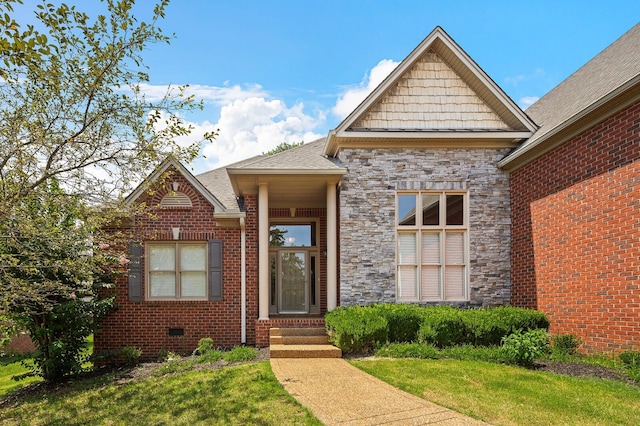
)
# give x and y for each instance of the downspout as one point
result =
(243, 282)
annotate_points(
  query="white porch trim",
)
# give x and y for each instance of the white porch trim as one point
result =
(263, 251)
(332, 248)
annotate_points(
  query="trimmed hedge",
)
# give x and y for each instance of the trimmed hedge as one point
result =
(404, 320)
(359, 329)
(356, 329)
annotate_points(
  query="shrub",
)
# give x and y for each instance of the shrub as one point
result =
(130, 355)
(360, 329)
(210, 356)
(565, 344)
(631, 359)
(356, 329)
(163, 354)
(403, 321)
(240, 353)
(204, 345)
(442, 326)
(408, 350)
(488, 326)
(523, 348)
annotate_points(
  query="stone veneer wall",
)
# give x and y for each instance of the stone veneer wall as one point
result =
(367, 215)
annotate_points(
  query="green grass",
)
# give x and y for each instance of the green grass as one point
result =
(10, 366)
(506, 395)
(239, 395)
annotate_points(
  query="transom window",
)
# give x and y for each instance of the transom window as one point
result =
(177, 270)
(432, 234)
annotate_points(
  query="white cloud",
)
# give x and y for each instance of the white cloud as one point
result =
(527, 101)
(249, 127)
(209, 94)
(352, 97)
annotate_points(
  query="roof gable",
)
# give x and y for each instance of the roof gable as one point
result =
(437, 92)
(168, 163)
(431, 96)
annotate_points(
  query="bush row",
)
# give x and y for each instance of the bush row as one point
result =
(357, 329)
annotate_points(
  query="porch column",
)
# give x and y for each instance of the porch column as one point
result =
(332, 248)
(263, 251)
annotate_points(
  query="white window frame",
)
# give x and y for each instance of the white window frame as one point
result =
(442, 230)
(177, 269)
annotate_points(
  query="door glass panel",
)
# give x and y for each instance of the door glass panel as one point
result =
(312, 278)
(283, 235)
(293, 282)
(272, 289)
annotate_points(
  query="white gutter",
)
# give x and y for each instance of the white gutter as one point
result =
(243, 283)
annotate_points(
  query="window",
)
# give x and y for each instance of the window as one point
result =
(432, 261)
(177, 270)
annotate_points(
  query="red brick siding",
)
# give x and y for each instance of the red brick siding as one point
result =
(575, 234)
(146, 324)
(20, 344)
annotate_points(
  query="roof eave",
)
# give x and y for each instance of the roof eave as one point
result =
(293, 172)
(613, 102)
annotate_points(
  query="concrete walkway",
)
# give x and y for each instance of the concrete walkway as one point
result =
(339, 394)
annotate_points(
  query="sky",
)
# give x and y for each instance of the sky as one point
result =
(288, 71)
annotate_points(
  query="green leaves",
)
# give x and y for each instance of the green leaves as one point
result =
(71, 105)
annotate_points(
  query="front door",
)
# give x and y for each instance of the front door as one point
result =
(293, 282)
(294, 256)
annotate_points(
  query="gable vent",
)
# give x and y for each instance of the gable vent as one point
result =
(176, 199)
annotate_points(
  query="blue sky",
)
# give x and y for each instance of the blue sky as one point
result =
(285, 70)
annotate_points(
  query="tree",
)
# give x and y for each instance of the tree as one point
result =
(76, 132)
(72, 107)
(53, 276)
(284, 146)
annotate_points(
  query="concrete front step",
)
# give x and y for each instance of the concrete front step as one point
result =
(304, 351)
(300, 331)
(299, 340)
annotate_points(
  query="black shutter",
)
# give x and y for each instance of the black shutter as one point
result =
(135, 271)
(215, 270)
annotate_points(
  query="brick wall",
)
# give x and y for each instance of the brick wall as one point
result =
(146, 324)
(576, 234)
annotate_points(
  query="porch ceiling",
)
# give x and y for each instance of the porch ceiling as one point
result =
(289, 189)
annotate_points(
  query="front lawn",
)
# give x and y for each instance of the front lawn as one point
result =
(236, 395)
(10, 366)
(507, 395)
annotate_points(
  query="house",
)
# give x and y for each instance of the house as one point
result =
(575, 200)
(436, 189)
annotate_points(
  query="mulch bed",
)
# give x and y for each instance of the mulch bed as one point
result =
(580, 369)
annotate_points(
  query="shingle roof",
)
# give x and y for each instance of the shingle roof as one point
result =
(304, 157)
(218, 183)
(611, 69)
